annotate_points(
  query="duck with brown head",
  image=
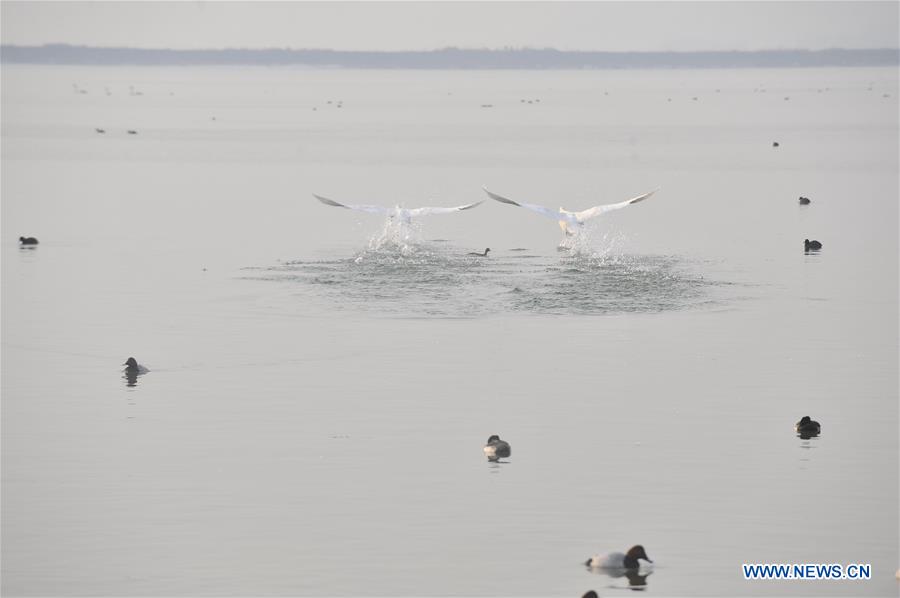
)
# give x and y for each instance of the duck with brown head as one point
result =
(618, 560)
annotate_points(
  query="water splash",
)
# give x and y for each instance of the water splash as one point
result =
(594, 241)
(396, 275)
(397, 234)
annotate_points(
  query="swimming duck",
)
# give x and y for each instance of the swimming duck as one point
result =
(804, 200)
(496, 448)
(807, 426)
(814, 245)
(486, 249)
(617, 560)
(28, 241)
(133, 367)
(775, 144)
(590, 594)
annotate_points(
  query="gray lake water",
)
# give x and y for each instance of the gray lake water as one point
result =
(322, 383)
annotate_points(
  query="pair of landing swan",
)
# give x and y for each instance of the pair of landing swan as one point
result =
(570, 222)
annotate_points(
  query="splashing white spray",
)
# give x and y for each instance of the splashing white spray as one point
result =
(398, 237)
(596, 243)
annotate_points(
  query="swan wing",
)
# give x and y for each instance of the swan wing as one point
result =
(429, 211)
(543, 211)
(597, 210)
(358, 208)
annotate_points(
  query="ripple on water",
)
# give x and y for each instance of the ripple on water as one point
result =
(409, 279)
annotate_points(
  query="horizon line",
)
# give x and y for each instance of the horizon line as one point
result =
(440, 49)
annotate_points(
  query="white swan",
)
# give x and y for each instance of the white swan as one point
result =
(571, 222)
(405, 215)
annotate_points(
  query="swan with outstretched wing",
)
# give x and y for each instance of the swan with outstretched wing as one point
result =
(570, 222)
(405, 215)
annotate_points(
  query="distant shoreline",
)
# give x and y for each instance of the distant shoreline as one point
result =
(448, 58)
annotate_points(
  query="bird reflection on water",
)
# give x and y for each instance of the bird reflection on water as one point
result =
(637, 580)
(131, 377)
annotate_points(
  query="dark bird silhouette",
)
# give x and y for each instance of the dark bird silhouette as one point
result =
(480, 254)
(811, 245)
(132, 370)
(804, 200)
(28, 241)
(132, 365)
(807, 426)
(496, 448)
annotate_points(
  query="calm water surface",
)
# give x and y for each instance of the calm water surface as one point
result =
(322, 382)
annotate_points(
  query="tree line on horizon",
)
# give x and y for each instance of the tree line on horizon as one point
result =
(448, 58)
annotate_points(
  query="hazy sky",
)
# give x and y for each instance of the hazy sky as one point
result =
(613, 26)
